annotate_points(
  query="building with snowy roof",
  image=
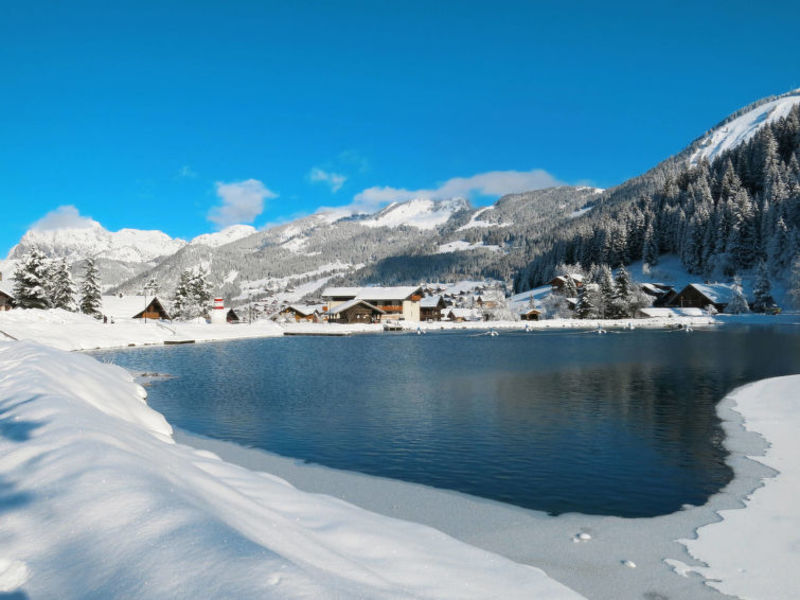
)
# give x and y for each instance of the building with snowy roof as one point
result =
(560, 282)
(355, 311)
(430, 308)
(133, 307)
(6, 296)
(302, 312)
(463, 314)
(395, 302)
(703, 295)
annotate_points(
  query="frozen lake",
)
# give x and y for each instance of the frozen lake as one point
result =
(619, 424)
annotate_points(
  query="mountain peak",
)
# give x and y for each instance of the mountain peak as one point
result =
(226, 236)
(421, 213)
(92, 239)
(741, 126)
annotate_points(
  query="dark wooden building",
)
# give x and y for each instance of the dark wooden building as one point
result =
(154, 310)
(430, 308)
(703, 295)
(355, 311)
(133, 307)
(302, 312)
(530, 314)
(6, 301)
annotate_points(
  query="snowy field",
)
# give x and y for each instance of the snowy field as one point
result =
(75, 331)
(94, 489)
(98, 501)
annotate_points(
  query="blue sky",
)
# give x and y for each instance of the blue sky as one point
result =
(188, 116)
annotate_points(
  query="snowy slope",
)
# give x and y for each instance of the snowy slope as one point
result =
(226, 236)
(421, 213)
(127, 245)
(100, 502)
(754, 552)
(742, 128)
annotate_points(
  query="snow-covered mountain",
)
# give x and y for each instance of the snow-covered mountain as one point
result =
(724, 205)
(421, 213)
(74, 244)
(404, 242)
(740, 127)
(226, 236)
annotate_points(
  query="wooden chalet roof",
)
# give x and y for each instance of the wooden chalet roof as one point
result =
(130, 307)
(373, 293)
(305, 310)
(716, 293)
(432, 302)
(7, 288)
(339, 308)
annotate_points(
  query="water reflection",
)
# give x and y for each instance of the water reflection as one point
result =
(620, 424)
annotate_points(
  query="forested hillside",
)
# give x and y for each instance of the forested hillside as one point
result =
(721, 217)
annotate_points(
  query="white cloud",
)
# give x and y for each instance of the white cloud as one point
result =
(64, 217)
(242, 202)
(187, 172)
(493, 183)
(333, 180)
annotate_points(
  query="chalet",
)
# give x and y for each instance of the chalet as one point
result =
(558, 283)
(490, 298)
(6, 296)
(303, 312)
(355, 311)
(399, 302)
(133, 307)
(460, 315)
(530, 314)
(430, 308)
(659, 293)
(703, 295)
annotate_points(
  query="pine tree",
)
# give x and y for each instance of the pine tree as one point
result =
(151, 286)
(90, 302)
(31, 277)
(192, 297)
(622, 295)
(588, 306)
(606, 282)
(650, 249)
(181, 298)
(63, 288)
(762, 299)
(738, 303)
(201, 292)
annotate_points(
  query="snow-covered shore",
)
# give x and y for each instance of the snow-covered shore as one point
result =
(755, 552)
(74, 331)
(739, 557)
(98, 501)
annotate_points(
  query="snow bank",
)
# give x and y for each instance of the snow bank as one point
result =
(755, 552)
(98, 501)
(73, 331)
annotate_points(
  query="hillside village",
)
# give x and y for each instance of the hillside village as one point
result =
(574, 294)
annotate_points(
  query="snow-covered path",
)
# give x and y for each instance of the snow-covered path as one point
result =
(97, 501)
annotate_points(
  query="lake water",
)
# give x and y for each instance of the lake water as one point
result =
(618, 424)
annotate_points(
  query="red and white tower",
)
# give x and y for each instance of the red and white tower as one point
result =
(218, 312)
